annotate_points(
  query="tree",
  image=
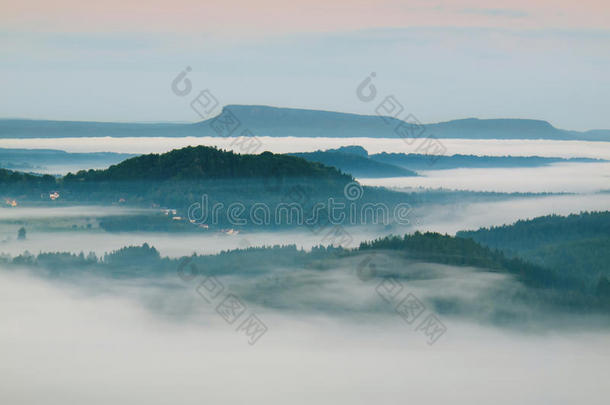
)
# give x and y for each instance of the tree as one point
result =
(21, 234)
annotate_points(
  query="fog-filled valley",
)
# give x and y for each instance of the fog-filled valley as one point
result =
(200, 273)
(67, 228)
(262, 202)
(145, 342)
(157, 338)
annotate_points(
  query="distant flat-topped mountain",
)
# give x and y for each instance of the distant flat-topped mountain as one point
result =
(280, 122)
(17, 128)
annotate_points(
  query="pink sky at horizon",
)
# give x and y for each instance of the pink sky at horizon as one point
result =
(273, 17)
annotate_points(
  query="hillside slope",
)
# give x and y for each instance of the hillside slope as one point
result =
(356, 162)
(202, 163)
(578, 246)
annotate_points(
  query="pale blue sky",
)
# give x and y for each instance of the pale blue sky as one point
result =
(438, 73)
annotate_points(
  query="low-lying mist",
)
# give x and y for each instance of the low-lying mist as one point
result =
(172, 244)
(70, 211)
(488, 147)
(451, 218)
(555, 178)
(330, 337)
(444, 218)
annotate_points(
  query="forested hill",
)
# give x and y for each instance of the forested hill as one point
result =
(537, 232)
(577, 246)
(16, 178)
(179, 178)
(437, 248)
(201, 162)
(577, 273)
(545, 285)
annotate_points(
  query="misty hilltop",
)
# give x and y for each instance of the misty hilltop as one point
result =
(282, 122)
(202, 162)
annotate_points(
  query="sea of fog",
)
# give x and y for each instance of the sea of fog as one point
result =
(88, 339)
(98, 341)
(555, 178)
(492, 147)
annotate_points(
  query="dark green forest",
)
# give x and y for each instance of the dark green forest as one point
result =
(577, 245)
(544, 286)
(179, 178)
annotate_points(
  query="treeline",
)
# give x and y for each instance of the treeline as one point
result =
(576, 246)
(548, 285)
(202, 162)
(142, 177)
(533, 233)
(145, 260)
(179, 178)
(190, 163)
(10, 177)
(125, 259)
(445, 249)
(544, 286)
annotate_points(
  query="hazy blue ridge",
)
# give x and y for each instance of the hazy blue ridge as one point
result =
(355, 164)
(35, 159)
(422, 162)
(281, 122)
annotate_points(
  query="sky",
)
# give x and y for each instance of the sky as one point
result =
(116, 60)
